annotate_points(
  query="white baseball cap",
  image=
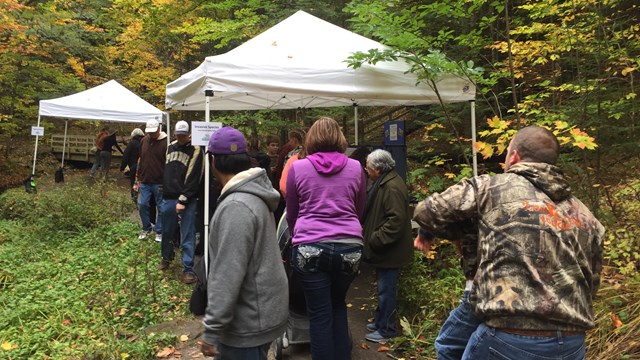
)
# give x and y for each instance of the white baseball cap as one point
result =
(152, 126)
(182, 128)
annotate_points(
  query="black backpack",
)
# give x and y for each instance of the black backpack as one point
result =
(198, 301)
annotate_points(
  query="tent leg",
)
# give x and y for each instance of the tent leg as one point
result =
(35, 151)
(64, 142)
(473, 137)
(208, 94)
(168, 130)
(355, 119)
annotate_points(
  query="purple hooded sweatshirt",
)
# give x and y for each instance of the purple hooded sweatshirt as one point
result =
(326, 193)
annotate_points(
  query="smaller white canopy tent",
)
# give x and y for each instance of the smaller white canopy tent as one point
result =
(107, 102)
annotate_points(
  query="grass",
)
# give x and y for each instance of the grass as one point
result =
(75, 283)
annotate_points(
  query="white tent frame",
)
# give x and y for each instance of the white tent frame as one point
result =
(300, 63)
(109, 102)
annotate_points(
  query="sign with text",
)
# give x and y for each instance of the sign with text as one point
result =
(37, 131)
(394, 133)
(201, 132)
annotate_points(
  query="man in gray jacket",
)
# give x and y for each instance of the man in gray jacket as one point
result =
(247, 286)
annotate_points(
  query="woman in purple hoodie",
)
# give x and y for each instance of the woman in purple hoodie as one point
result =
(325, 198)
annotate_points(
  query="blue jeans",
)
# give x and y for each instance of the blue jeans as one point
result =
(105, 162)
(96, 163)
(489, 343)
(234, 353)
(385, 319)
(325, 271)
(456, 331)
(187, 231)
(146, 191)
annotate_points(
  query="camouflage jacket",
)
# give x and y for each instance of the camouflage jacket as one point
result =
(540, 248)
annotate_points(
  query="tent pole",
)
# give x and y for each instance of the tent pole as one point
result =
(355, 118)
(168, 131)
(473, 137)
(35, 151)
(64, 142)
(208, 94)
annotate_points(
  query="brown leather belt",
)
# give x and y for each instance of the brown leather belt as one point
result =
(544, 333)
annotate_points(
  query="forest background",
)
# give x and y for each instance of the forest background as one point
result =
(567, 65)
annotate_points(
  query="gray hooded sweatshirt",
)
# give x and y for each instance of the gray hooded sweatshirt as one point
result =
(248, 295)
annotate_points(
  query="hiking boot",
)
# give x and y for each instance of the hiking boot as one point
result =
(371, 327)
(189, 278)
(164, 264)
(158, 238)
(143, 235)
(376, 337)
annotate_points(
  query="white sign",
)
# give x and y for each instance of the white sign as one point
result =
(37, 131)
(393, 132)
(201, 132)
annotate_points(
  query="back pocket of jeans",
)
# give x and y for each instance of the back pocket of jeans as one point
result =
(351, 262)
(306, 258)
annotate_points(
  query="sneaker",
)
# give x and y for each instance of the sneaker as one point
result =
(376, 337)
(189, 278)
(164, 264)
(371, 327)
(158, 238)
(143, 235)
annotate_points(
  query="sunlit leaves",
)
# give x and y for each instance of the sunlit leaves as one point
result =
(582, 140)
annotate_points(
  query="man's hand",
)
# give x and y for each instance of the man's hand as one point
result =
(136, 186)
(423, 244)
(208, 350)
(180, 208)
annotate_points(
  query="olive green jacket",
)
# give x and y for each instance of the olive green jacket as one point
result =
(387, 227)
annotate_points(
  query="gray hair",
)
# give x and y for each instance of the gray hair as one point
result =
(381, 160)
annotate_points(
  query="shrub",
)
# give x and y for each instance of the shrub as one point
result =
(427, 291)
(67, 208)
(76, 283)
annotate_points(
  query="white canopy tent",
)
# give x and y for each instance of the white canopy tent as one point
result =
(107, 102)
(301, 63)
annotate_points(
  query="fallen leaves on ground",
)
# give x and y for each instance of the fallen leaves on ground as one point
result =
(615, 319)
(165, 353)
(364, 346)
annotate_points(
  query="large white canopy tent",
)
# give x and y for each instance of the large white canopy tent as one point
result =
(301, 63)
(107, 102)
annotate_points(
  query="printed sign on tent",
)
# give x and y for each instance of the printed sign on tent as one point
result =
(37, 131)
(201, 132)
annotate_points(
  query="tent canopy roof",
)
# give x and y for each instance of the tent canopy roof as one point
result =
(107, 102)
(300, 63)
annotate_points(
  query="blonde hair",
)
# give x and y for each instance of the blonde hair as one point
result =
(325, 136)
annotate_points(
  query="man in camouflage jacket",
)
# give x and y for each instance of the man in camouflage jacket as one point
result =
(539, 248)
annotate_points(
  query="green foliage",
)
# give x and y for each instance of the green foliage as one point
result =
(86, 293)
(617, 313)
(428, 290)
(69, 208)
(623, 231)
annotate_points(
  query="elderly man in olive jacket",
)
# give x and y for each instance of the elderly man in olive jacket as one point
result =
(387, 239)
